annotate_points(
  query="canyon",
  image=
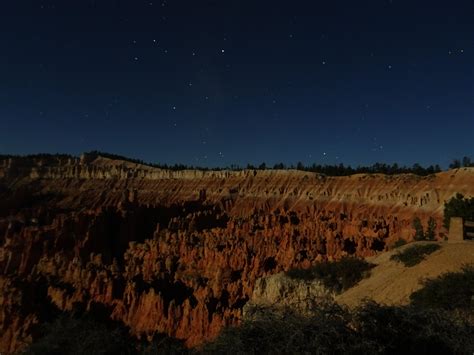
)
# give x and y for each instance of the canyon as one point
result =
(180, 252)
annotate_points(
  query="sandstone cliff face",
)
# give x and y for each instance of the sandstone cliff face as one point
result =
(180, 252)
(280, 291)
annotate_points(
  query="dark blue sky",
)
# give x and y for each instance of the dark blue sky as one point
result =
(221, 82)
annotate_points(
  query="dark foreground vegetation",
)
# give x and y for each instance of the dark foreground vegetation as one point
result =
(450, 291)
(371, 329)
(332, 329)
(338, 275)
(330, 170)
(79, 335)
(70, 334)
(414, 254)
(439, 320)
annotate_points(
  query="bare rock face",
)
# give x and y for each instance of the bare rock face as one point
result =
(280, 291)
(181, 252)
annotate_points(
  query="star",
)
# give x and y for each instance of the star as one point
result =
(222, 50)
(324, 62)
(136, 58)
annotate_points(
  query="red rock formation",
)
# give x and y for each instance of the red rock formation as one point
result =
(179, 252)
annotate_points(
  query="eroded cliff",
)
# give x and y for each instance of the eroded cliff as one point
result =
(180, 252)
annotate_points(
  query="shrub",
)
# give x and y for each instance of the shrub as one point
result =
(413, 330)
(163, 344)
(69, 335)
(336, 276)
(332, 329)
(414, 254)
(399, 243)
(327, 332)
(453, 290)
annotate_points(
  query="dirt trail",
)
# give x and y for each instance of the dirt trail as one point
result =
(393, 283)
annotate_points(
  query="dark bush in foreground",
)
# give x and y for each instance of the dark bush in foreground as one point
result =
(327, 332)
(338, 275)
(413, 330)
(454, 290)
(164, 345)
(372, 329)
(414, 254)
(69, 335)
(84, 335)
(331, 329)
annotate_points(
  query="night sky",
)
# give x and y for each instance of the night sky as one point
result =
(214, 83)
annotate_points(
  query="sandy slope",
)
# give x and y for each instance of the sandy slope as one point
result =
(392, 283)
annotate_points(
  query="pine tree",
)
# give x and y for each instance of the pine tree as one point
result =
(419, 233)
(431, 231)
